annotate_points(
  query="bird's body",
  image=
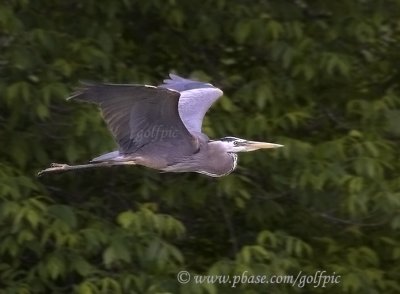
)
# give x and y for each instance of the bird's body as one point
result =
(160, 128)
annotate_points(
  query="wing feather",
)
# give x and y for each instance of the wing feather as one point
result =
(138, 115)
(195, 100)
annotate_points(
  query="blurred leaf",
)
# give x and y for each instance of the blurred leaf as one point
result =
(64, 213)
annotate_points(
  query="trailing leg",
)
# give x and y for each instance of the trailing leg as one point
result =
(60, 167)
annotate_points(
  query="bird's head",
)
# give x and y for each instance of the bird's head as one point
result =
(234, 145)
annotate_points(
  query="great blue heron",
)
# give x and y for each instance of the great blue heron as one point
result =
(160, 128)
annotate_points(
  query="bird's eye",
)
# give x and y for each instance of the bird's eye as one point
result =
(235, 143)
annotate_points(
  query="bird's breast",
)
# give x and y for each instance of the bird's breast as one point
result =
(218, 166)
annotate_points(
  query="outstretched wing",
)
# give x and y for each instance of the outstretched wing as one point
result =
(196, 98)
(138, 115)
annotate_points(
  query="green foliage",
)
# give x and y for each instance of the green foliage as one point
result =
(320, 77)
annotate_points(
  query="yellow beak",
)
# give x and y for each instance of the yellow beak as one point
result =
(254, 145)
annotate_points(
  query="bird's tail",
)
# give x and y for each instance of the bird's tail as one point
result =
(106, 157)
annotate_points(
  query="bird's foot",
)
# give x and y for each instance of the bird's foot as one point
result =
(54, 167)
(59, 165)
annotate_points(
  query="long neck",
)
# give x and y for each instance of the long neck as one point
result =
(235, 160)
(219, 171)
(217, 161)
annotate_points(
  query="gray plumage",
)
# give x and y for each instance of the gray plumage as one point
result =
(160, 127)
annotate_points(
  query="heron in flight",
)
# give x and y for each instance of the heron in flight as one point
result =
(160, 128)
